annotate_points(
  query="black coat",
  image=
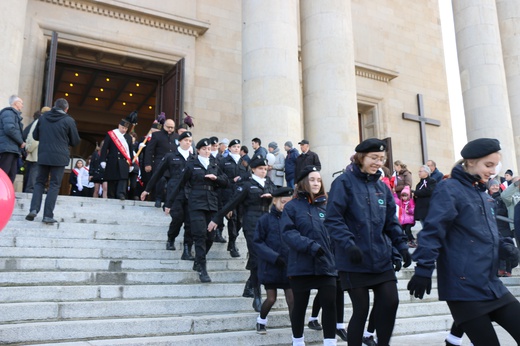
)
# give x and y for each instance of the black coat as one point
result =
(56, 131)
(202, 192)
(232, 169)
(117, 165)
(11, 129)
(269, 245)
(309, 158)
(96, 171)
(422, 194)
(160, 144)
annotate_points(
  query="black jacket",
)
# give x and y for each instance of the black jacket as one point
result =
(117, 165)
(202, 192)
(174, 163)
(160, 144)
(309, 158)
(232, 169)
(11, 129)
(304, 232)
(422, 194)
(56, 131)
(269, 245)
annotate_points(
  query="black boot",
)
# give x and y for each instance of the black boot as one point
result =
(257, 300)
(203, 275)
(218, 237)
(196, 266)
(233, 251)
(186, 254)
(248, 290)
(170, 245)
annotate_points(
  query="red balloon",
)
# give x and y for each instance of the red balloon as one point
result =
(6, 199)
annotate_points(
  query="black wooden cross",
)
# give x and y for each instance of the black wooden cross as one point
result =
(422, 120)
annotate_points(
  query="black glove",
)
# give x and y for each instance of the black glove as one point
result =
(513, 258)
(407, 258)
(418, 285)
(280, 262)
(320, 252)
(355, 255)
(397, 264)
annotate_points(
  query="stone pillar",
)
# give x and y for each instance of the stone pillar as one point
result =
(12, 27)
(329, 82)
(509, 21)
(271, 100)
(483, 80)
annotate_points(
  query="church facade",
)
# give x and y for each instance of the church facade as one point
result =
(331, 71)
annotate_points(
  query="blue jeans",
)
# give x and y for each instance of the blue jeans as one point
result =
(56, 173)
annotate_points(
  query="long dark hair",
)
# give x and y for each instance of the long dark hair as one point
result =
(304, 187)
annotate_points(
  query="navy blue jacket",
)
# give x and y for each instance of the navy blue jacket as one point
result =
(361, 212)
(11, 129)
(269, 245)
(460, 233)
(304, 232)
(290, 164)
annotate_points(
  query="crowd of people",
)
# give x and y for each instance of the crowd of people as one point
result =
(299, 237)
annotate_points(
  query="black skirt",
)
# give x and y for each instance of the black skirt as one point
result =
(463, 311)
(356, 280)
(308, 282)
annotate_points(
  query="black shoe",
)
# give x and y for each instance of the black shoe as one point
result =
(203, 275)
(449, 343)
(315, 325)
(197, 266)
(342, 333)
(170, 245)
(257, 299)
(158, 203)
(234, 253)
(186, 254)
(260, 329)
(369, 341)
(49, 220)
(219, 238)
(31, 215)
(248, 290)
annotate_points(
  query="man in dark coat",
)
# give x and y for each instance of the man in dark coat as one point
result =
(290, 163)
(56, 131)
(306, 158)
(116, 158)
(11, 139)
(161, 143)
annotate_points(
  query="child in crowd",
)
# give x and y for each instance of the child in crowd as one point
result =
(406, 206)
(75, 185)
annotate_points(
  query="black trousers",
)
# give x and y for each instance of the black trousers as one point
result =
(56, 175)
(117, 188)
(9, 164)
(201, 237)
(180, 214)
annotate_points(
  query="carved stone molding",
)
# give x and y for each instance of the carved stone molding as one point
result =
(157, 20)
(374, 72)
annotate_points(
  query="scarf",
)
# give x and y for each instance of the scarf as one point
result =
(184, 153)
(259, 180)
(204, 161)
(235, 157)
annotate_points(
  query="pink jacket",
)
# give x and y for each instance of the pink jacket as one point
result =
(406, 209)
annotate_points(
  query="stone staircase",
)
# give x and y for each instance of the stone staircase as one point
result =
(102, 276)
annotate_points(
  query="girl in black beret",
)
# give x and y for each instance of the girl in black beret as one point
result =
(461, 240)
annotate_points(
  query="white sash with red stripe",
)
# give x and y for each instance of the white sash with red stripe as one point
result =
(122, 148)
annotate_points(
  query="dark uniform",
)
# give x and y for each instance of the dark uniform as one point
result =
(310, 158)
(174, 163)
(233, 169)
(248, 194)
(117, 166)
(202, 194)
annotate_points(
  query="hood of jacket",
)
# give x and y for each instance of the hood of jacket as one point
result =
(55, 115)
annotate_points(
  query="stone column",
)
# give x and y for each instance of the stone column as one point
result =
(271, 100)
(329, 82)
(483, 80)
(12, 27)
(509, 21)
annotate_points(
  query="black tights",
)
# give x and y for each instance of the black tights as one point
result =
(328, 316)
(385, 294)
(270, 299)
(340, 301)
(481, 332)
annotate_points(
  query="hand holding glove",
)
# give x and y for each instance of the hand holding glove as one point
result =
(418, 285)
(407, 258)
(355, 255)
(280, 262)
(103, 165)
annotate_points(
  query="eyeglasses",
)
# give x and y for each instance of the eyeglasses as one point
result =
(377, 159)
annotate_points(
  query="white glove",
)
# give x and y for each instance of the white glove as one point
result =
(80, 187)
(130, 169)
(142, 145)
(103, 165)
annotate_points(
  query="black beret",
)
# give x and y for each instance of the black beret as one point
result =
(257, 161)
(185, 134)
(204, 142)
(234, 141)
(510, 172)
(213, 140)
(371, 145)
(479, 148)
(283, 192)
(305, 172)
